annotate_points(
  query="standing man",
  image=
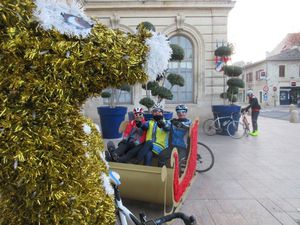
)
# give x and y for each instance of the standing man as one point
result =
(255, 107)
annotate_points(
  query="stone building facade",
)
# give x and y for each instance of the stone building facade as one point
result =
(276, 80)
(198, 26)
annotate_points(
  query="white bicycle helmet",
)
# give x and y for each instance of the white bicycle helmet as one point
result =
(249, 93)
(181, 108)
(138, 110)
(157, 107)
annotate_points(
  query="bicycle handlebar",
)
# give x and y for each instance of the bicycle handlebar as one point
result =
(188, 220)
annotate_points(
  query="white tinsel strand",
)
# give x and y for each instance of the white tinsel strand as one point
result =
(106, 184)
(48, 13)
(87, 154)
(102, 156)
(97, 127)
(87, 129)
(159, 55)
(16, 164)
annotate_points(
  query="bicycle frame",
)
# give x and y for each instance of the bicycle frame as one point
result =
(223, 117)
(124, 213)
(246, 123)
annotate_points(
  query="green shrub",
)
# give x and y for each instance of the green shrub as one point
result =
(147, 25)
(224, 51)
(175, 79)
(147, 102)
(236, 82)
(178, 53)
(232, 71)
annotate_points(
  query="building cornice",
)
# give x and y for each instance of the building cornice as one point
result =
(249, 65)
(129, 5)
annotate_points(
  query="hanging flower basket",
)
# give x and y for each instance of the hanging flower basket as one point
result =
(232, 71)
(224, 51)
(236, 82)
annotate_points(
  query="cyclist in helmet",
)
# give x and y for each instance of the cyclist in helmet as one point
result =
(133, 139)
(178, 135)
(255, 108)
(157, 136)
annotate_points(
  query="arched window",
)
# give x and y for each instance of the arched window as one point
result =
(185, 68)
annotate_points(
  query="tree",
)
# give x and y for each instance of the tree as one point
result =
(113, 94)
(156, 88)
(222, 54)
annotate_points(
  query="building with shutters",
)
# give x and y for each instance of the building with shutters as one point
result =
(276, 80)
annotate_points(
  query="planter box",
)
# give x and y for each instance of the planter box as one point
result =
(110, 120)
(224, 111)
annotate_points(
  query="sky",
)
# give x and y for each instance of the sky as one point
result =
(257, 26)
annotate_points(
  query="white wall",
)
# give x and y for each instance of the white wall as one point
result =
(203, 22)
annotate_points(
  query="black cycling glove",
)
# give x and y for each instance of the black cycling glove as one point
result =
(138, 123)
(161, 124)
(177, 123)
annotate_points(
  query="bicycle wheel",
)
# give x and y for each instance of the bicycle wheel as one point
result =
(209, 127)
(236, 129)
(205, 158)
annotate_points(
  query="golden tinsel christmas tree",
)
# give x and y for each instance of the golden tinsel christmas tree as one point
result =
(51, 167)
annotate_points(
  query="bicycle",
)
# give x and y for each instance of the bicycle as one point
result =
(246, 123)
(123, 213)
(234, 128)
(205, 159)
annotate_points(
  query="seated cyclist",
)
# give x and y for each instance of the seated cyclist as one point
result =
(178, 135)
(156, 137)
(133, 139)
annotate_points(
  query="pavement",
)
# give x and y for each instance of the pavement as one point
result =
(255, 180)
(279, 112)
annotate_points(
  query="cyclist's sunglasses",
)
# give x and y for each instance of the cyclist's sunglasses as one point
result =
(181, 111)
(138, 114)
(157, 110)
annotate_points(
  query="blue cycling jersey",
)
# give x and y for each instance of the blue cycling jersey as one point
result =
(179, 129)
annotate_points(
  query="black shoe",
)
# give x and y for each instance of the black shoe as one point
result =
(108, 156)
(111, 150)
(111, 146)
(115, 157)
(135, 161)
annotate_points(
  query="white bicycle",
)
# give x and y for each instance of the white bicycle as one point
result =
(123, 214)
(228, 124)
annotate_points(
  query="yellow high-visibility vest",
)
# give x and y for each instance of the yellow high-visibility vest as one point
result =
(157, 135)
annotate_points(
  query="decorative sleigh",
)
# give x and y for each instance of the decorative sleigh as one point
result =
(160, 185)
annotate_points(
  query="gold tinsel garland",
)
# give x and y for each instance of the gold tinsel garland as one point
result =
(49, 168)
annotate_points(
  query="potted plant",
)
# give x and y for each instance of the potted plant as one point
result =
(222, 55)
(159, 55)
(112, 115)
